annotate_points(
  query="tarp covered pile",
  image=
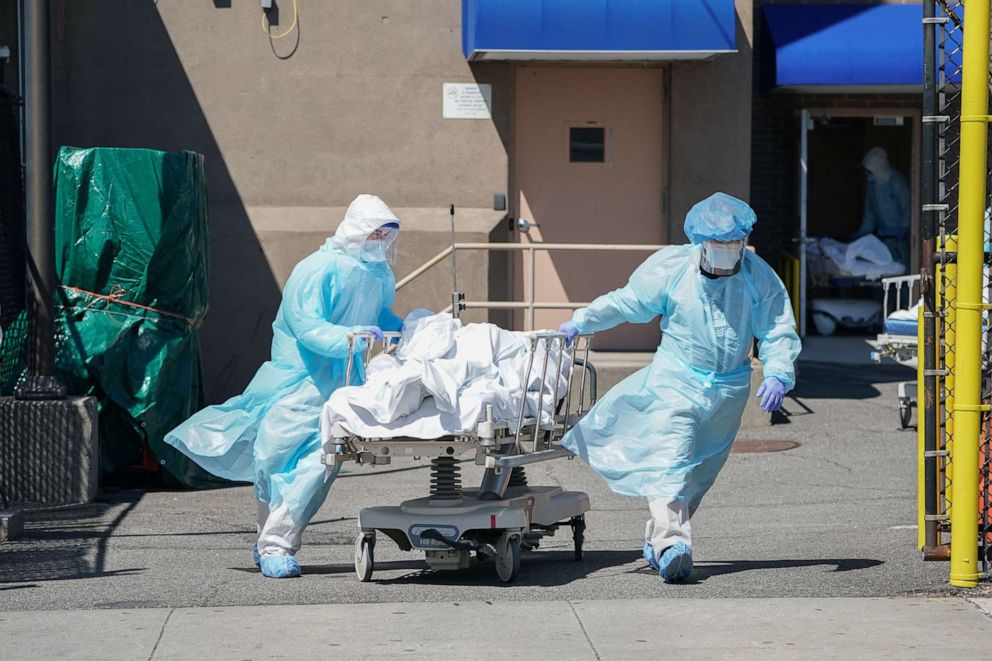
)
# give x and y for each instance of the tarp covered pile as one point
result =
(131, 259)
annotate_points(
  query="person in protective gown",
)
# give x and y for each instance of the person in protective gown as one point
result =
(665, 432)
(269, 434)
(887, 199)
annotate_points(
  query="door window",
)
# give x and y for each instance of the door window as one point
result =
(587, 144)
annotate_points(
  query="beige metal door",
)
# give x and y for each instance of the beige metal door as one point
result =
(588, 168)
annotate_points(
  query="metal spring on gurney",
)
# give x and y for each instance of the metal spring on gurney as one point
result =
(446, 483)
(518, 477)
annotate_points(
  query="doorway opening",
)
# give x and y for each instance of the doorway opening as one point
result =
(846, 236)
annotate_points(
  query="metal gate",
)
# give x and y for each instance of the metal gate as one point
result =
(941, 356)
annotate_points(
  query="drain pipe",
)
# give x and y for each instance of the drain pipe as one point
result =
(38, 180)
(968, 406)
(20, 81)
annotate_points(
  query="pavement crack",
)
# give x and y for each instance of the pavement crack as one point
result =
(161, 633)
(978, 607)
(806, 457)
(584, 632)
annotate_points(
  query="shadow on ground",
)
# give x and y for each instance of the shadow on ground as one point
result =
(816, 380)
(66, 543)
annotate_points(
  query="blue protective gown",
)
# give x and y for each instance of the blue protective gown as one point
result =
(887, 213)
(666, 430)
(269, 434)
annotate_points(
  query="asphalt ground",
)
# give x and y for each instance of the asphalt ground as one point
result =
(833, 517)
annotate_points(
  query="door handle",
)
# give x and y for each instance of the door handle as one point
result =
(524, 225)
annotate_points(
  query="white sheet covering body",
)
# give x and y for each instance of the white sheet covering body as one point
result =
(440, 380)
(866, 257)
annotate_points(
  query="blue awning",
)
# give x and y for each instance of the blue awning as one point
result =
(844, 46)
(597, 30)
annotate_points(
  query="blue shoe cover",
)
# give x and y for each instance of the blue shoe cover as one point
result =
(280, 566)
(255, 556)
(675, 565)
(649, 556)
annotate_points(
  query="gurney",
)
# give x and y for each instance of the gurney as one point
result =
(899, 339)
(504, 516)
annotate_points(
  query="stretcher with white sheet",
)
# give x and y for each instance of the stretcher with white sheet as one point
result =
(504, 516)
(899, 339)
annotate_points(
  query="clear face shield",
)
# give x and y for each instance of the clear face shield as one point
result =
(722, 257)
(380, 246)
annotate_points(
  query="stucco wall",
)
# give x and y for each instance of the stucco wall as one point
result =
(293, 129)
(711, 126)
(290, 136)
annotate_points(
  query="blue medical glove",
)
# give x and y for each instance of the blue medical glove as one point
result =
(374, 330)
(771, 393)
(571, 330)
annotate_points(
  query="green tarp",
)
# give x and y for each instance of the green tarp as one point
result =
(131, 259)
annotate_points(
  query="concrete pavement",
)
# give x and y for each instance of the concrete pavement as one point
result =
(870, 628)
(833, 517)
(806, 553)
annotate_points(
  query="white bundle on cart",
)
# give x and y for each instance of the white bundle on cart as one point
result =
(442, 378)
(866, 257)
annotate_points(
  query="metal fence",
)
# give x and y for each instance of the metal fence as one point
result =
(947, 51)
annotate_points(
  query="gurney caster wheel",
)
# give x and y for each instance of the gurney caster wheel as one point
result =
(364, 556)
(508, 557)
(905, 414)
(578, 535)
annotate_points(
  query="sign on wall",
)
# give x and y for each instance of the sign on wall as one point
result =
(467, 101)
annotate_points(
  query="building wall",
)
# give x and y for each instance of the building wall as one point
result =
(710, 129)
(775, 142)
(12, 235)
(292, 130)
(11, 198)
(350, 102)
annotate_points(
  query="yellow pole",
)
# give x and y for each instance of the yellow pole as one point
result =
(920, 437)
(971, 211)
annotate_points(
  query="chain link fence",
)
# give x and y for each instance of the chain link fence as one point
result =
(949, 56)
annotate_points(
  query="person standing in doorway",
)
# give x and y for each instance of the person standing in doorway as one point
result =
(886, 211)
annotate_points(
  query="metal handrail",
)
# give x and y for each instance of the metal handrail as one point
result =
(530, 305)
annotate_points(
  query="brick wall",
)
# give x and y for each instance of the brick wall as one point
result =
(775, 141)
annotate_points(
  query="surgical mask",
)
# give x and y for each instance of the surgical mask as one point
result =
(382, 248)
(723, 256)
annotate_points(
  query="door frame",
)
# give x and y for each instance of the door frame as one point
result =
(915, 115)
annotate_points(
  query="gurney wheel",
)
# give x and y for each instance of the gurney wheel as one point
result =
(578, 535)
(508, 557)
(905, 414)
(364, 556)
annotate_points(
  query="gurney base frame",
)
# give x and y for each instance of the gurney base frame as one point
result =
(901, 348)
(449, 531)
